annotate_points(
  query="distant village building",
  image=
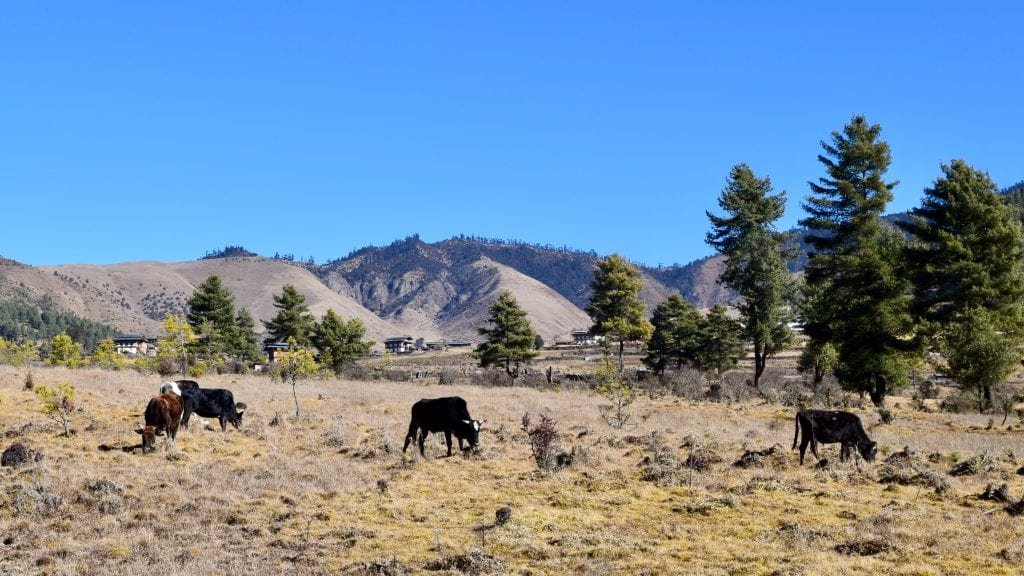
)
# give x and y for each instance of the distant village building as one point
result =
(585, 338)
(435, 345)
(272, 349)
(458, 343)
(134, 345)
(399, 344)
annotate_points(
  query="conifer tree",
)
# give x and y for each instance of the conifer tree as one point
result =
(615, 305)
(244, 343)
(340, 342)
(719, 345)
(676, 327)
(509, 339)
(211, 314)
(855, 265)
(967, 270)
(293, 319)
(756, 255)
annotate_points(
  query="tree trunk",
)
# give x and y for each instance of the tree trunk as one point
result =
(622, 349)
(759, 363)
(986, 397)
(879, 391)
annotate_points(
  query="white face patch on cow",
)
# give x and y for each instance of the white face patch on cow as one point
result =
(476, 425)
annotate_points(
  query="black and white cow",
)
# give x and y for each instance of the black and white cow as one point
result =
(210, 403)
(448, 415)
(829, 427)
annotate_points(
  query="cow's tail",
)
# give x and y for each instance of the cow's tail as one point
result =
(796, 431)
(410, 436)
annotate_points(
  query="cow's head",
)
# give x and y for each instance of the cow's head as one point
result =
(469, 430)
(868, 450)
(170, 387)
(149, 434)
(239, 410)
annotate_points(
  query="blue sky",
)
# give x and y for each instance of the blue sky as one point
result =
(160, 131)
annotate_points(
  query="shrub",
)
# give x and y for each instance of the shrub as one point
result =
(619, 391)
(543, 440)
(58, 403)
(687, 383)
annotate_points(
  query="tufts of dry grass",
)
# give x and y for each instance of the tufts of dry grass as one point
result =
(332, 492)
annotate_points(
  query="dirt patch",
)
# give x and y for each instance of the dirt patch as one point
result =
(868, 547)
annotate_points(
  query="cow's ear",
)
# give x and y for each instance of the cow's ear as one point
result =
(159, 432)
(139, 431)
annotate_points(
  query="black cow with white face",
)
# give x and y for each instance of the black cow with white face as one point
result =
(211, 403)
(448, 415)
(829, 427)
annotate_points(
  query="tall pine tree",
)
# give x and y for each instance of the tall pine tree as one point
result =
(967, 270)
(855, 264)
(293, 319)
(756, 255)
(211, 314)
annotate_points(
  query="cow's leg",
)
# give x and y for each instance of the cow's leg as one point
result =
(423, 438)
(223, 422)
(448, 440)
(803, 448)
(184, 418)
(844, 451)
(814, 447)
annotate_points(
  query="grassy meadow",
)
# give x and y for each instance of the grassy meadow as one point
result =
(330, 492)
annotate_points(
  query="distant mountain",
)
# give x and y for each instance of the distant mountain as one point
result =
(410, 287)
(440, 286)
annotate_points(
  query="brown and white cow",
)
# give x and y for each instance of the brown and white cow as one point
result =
(163, 414)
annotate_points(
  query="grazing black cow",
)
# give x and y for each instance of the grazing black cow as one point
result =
(829, 427)
(448, 415)
(163, 413)
(211, 403)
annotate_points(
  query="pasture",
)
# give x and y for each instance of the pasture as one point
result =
(332, 493)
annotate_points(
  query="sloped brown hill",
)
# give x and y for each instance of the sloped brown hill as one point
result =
(550, 314)
(136, 296)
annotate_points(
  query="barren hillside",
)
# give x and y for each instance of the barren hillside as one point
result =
(551, 315)
(135, 296)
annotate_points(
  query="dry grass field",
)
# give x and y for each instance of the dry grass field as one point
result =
(332, 493)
